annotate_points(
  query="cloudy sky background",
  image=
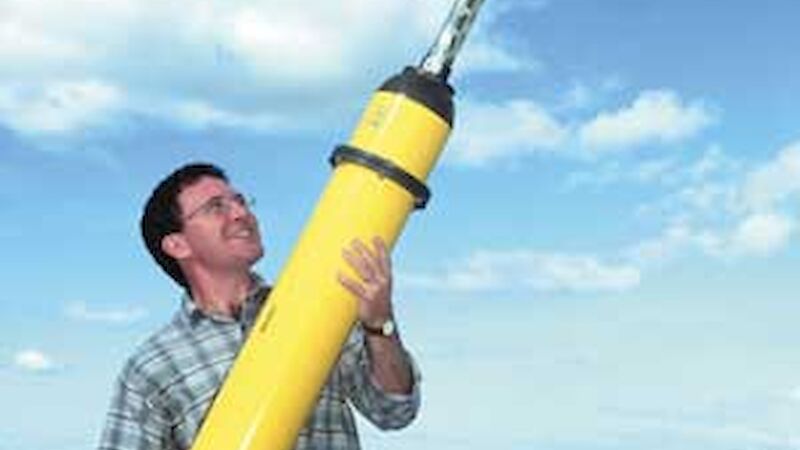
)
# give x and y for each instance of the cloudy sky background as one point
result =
(609, 260)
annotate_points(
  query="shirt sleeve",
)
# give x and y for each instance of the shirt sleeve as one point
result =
(386, 410)
(133, 422)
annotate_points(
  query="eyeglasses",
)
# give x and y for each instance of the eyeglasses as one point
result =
(220, 205)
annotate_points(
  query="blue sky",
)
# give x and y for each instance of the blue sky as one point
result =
(609, 259)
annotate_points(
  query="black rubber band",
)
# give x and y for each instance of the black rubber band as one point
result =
(383, 166)
(431, 92)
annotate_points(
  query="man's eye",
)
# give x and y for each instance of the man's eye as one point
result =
(240, 199)
(216, 205)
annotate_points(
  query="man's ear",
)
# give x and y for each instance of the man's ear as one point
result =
(175, 245)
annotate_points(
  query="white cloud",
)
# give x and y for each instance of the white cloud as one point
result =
(483, 51)
(69, 63)
(664, 171)
(84, 312)
(503, 131)
(693, 177)
(655, 116)
(497, 270)
(704, 202)
(21, 44)
(716, 207)
(755, 235)
(57, 107)
(483, 56)
(200, 115)
(761, 234)
(291, 44)
(708, 197)
(724, 212)
(672, 240)
(33, 361)
(712, 162)
(774, 182)
(705, 191)
(582, 95)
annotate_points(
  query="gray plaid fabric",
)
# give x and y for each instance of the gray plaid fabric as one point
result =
(166, 387)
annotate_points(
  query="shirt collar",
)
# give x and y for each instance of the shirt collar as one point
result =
(251, 305)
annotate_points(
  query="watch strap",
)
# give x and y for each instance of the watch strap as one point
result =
(386, 329)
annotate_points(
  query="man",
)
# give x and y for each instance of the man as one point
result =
(203, 234)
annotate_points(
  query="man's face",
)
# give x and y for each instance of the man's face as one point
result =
(218, 227)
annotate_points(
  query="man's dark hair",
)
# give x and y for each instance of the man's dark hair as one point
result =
(162, 213)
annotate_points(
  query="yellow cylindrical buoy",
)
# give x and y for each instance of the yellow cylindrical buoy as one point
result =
(378, 179)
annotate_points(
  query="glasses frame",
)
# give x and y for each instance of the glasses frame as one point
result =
(220, 205)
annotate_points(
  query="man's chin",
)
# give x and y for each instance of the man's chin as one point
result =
(249, 251)
(256, 255)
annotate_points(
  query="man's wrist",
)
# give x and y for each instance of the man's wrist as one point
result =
(386, 328)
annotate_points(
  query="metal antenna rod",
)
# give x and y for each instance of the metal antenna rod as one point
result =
(441, 55)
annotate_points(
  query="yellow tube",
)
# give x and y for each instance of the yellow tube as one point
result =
(296, 339)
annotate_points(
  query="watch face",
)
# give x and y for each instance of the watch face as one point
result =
(388, 328)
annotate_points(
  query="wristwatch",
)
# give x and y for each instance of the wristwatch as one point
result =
(386, 329)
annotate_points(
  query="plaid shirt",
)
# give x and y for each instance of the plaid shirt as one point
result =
(167, 386)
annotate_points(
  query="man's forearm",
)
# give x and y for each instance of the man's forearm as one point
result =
(389, 366)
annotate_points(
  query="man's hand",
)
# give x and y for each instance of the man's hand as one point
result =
(374, 291)
(388, 364)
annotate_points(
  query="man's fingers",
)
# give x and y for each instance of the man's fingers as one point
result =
(382, 251)
(360, 264)
(371, 260)
(353, 286)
